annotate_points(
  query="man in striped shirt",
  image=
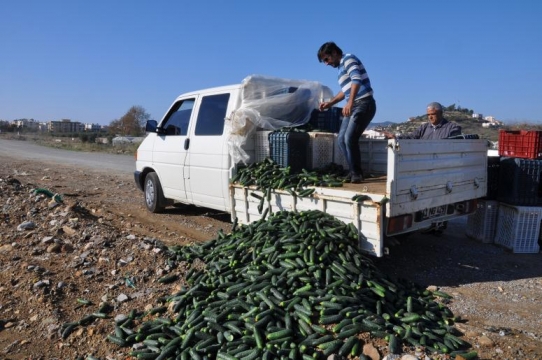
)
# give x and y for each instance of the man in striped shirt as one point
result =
(360, 106)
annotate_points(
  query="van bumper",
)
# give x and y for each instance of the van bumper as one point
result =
(138, 180)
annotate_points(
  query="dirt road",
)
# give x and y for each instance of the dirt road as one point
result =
(102, 246)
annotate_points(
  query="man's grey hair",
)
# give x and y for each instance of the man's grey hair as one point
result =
(435, 106)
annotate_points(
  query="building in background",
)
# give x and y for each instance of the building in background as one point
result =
(65, 126)
(26, 124)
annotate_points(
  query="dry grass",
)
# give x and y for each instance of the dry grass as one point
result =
(74, 144)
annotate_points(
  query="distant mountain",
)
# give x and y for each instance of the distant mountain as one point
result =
(381, 124)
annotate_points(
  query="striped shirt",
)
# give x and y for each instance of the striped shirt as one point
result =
(351, 70)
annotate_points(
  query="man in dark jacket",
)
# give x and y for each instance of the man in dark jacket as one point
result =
(437, 127)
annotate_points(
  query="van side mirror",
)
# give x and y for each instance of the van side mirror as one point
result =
(151, 125)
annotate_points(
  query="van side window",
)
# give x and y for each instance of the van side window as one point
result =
(212, 114)
(179, 117)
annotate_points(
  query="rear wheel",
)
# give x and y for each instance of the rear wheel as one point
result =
(154, 197)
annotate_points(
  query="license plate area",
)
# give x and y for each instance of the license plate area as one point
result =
(433, 212)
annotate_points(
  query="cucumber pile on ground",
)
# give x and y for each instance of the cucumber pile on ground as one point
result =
(293, 286)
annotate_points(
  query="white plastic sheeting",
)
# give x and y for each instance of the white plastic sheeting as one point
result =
(270, 103)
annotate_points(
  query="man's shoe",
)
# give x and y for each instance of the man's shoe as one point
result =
(346, 179)
(356, 179)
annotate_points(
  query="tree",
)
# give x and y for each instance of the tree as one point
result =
(130, 124)
(450, 108)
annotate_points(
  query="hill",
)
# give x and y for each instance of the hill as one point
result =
(381, 124)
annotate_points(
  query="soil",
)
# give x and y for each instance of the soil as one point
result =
(100, 244)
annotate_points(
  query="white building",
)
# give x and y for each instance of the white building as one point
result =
(93, 127)
(26, 123)
(489, 118)
(373, 134)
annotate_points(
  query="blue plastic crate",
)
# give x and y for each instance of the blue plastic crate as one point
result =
(329, 120)
(520, 182)
(289, 149)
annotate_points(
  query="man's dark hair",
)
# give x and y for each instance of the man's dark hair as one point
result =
(328, 49)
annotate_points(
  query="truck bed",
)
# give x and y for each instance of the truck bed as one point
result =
(372, 185)
(421, 175)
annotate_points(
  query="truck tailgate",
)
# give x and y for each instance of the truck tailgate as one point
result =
(367, 216)
(427, 173)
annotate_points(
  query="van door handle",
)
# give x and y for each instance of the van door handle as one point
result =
(186, 143)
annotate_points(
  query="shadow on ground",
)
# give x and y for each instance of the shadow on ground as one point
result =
(453, 259)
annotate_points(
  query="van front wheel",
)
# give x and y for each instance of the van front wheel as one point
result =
(154, 197)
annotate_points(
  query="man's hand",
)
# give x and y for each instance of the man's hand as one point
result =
(388, 135)
(324, 105)
(347, 110)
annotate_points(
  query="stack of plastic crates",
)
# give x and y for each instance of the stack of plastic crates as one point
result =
(520, 181)
(482, 225)
(493, 169)
(320, 149)
(289, 148)
(525, 144)
(519, 190)
(518, 228)
(328, 120)
(261, 144)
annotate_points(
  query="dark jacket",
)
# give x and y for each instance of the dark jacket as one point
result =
(429, 132)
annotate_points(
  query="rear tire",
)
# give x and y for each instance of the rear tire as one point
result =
(154, 196)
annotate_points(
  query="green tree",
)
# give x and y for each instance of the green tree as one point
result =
(130, 124)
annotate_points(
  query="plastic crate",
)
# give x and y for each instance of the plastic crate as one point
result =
(261, 145)
(524, 144)
(329, 120)
(520, 181)
(373, 152)
(289, 149)
(482, 224)
(518, 228)
(320, 149)
(493, 169)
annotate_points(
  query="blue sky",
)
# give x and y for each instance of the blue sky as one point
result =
(90, 61)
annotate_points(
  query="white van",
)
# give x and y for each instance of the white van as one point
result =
(193, 152)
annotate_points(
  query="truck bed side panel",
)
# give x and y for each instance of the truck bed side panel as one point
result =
(429, 173)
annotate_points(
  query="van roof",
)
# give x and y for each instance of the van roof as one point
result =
(212, 90)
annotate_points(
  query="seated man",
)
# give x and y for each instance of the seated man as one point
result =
(437, 127)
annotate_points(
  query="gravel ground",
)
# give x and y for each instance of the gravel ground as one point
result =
(497, 294)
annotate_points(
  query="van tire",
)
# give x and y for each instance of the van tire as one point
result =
(154, 197)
